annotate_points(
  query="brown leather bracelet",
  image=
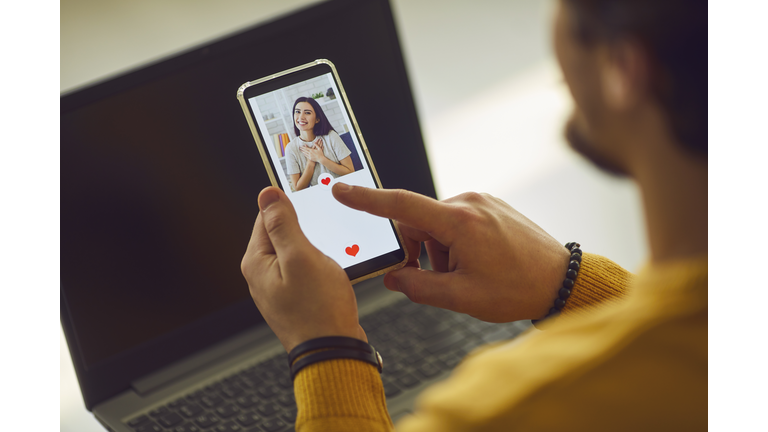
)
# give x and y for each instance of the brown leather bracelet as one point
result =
(328, 342)
(373, 358)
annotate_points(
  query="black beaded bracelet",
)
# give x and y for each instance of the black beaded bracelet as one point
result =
(570, 279)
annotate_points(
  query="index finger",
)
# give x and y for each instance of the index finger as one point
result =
(418, 211)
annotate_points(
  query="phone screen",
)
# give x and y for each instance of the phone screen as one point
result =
(312, 144)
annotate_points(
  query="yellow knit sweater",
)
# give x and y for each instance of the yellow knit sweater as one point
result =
(618, 359)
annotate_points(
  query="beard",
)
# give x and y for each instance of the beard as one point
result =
(586, 148)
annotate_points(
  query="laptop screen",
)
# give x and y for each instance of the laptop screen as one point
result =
(159, 179)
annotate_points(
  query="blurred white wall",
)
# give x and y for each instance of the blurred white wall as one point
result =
(487, 88)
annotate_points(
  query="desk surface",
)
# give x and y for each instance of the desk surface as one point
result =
(486, 86)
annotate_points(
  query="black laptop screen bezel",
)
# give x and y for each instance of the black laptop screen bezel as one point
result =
(105, 379)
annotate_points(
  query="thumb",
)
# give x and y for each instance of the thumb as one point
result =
(281, 223)
(426, 287)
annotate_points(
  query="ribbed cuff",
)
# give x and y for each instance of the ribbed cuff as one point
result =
(600, 281)
(341, 395)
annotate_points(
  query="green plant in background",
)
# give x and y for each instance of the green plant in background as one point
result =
(317, 95)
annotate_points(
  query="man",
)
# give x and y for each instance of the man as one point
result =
(627, 353)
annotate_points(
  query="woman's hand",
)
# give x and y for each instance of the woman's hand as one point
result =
(488, 260)
(301, 293)
(314, 153)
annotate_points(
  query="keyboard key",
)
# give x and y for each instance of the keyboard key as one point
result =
(273, 425)
(408, 381)
(369, 322)
(285, 382)
(286, 400)
(247, 419)
(386, 335)
(449, 360)
(479, 326)
(240, 382)
(138, 420)
(190, 410)
(405, 343)
(186, 427)
(471, 344)
(228, 427)
(267, 409)
(289, 416)
(413, 358)
(231, 392)
(212, 401)
(394, 369)
(444, 343)
(391, 390)
(428, 370)
(405, 326)
(227, 411)
(496, 335)
(206, 420)
(157, 412)
(436, 332)
(268, 375)
(386, 316)
(407, 306)
(194, 396)
(426, 319)
(246, 401)
(149, 427)
(249, 384)
(251, 374)
(177, 403)
(170, 419)
(268, 391)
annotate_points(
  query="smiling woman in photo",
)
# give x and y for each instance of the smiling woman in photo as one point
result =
(317, 148)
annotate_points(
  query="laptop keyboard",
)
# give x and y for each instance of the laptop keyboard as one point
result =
(418, 343)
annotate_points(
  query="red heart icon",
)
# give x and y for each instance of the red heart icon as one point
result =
(325, 181)
(352, 250)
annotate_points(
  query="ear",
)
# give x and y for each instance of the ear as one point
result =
(624, 74)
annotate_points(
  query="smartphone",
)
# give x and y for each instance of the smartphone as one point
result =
(309, 140)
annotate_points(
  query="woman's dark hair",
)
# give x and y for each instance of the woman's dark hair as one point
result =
(323, 127)
(674, 32)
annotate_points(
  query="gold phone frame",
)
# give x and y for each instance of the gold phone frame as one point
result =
(268, 165)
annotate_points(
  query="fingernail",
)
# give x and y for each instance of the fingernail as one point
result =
(267, 197)
(343, 187)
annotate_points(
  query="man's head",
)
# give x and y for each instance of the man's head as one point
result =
(637, 70)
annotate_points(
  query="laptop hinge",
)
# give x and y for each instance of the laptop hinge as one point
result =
(197, 362)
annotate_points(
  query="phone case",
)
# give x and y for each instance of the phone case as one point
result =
(268, 166)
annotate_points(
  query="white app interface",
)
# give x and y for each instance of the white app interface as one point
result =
(309, 137)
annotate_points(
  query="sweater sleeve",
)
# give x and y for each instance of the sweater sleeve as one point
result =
(600, 281)
(348, 395)
(341, 395)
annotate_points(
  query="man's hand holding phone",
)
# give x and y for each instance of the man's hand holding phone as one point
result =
(488, 260)
(300, 292)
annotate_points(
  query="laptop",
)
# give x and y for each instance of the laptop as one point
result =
(159, 179)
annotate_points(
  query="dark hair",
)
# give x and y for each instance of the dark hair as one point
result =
(674, 33)
(323, 127)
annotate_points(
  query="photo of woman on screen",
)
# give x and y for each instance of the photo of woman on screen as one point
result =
(317, 148)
